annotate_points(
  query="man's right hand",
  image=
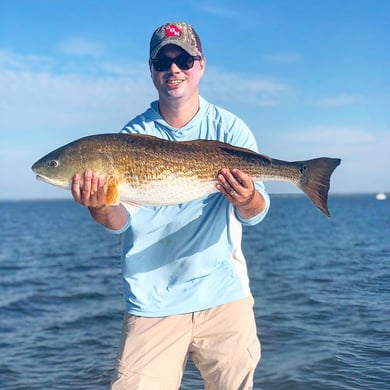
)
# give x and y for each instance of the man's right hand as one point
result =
(89, 192)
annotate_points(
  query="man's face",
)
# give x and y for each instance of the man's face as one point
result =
(176, 83)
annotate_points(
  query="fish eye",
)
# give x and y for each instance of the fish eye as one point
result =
(53, 163)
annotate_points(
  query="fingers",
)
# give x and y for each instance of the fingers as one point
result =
(235, 180)
(226, 183)
(90, 191)
(235, 185)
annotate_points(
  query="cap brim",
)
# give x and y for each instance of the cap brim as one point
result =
(189, 49)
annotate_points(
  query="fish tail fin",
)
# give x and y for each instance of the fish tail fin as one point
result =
(315, 180)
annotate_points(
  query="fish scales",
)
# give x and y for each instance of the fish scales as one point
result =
(146, 170)
(202, 158)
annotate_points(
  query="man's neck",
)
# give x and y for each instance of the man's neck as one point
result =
(178, 113)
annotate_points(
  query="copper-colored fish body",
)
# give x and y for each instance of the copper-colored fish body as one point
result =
(151, 171)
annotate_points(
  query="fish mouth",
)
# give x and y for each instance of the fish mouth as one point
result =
(57, 183)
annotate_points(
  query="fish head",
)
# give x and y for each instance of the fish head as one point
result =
(59, 166)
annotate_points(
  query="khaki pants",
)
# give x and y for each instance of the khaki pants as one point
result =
(223, 341)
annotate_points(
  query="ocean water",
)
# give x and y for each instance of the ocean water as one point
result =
(321, 287)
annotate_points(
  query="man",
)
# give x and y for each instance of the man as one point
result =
(185, 278)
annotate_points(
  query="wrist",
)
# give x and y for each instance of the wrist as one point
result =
(97, 207)
(253, 206)
(250, 199)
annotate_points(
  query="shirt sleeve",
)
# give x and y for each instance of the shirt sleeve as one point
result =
(123, 229)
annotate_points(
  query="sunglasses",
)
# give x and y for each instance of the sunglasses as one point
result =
(183, 61)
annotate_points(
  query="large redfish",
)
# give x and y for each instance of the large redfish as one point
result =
(144, 170)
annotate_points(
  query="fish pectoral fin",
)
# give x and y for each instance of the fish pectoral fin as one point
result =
(113, 196)
(112, 192)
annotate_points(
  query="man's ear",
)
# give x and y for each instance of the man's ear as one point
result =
(203, 64)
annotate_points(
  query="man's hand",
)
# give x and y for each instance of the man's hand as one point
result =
(236, 186)
(239, 189)
(91, 192)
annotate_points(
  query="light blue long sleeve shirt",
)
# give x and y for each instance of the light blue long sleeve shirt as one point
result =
(187, 257)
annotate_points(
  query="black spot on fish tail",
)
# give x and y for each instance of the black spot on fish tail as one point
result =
(302, 169)
(315, 180)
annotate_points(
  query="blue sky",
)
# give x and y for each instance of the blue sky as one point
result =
(310, 77)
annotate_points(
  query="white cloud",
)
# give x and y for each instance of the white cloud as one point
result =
(287, 57)
(337, 139)
(218, 11)
(20, 62)
(41, 100)
(340, 100)
(78, 46)
(241, 88)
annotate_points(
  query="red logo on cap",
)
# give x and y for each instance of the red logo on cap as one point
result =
(172, 31)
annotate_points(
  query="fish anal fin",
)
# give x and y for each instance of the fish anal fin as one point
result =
(131, 207)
